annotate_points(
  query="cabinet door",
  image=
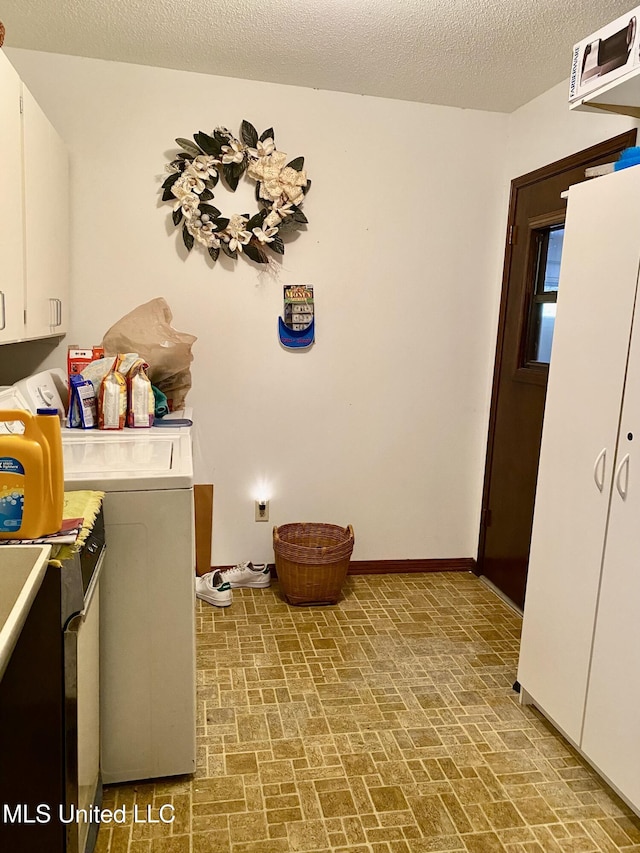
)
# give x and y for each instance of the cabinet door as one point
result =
(596, 295)
(46, 199)
(11, 212)
(612, 731)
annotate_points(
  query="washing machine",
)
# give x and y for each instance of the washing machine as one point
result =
(147, 613)
(147, 599)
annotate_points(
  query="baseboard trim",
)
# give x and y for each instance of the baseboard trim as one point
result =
(394, 567)
(398, 567)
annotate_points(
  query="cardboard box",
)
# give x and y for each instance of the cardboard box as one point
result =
(608, 54)
(78, 359)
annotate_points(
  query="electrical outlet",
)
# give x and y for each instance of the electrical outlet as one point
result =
(262, 510)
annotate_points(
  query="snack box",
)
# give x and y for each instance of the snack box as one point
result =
(77, 359)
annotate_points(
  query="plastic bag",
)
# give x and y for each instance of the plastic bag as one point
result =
(147, 330)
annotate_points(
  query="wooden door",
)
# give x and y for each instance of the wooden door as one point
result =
(520, 374)
(611, 737)
(586, 381)
(11, 234)
(46, 198)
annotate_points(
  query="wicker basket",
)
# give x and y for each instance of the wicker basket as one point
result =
(312, 561)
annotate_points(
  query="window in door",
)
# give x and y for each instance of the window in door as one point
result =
(542, 312)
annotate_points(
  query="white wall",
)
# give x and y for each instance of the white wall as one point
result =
(545, 130)
(381, 424)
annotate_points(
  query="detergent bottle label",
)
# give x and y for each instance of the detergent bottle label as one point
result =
(11, 494)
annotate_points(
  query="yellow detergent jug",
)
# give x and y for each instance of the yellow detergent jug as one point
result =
(31, 476)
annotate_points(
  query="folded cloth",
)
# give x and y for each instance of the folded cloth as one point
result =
(83, 504)
(161, 403)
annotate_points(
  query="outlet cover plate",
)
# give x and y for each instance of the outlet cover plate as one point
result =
(262, 510)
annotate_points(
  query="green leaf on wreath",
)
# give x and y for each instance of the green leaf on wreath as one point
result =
(255, 253)
(298, 216)
(177, 216)
(306, 189)
(268, 134)
(208, 208)
(220, 138)
(296, 164)
(249, 134)
(206, 195)
(225, 248)
(221, 223)
(208, 144)
(256, 220)
(289, 225)
(188, 238)
(213, 253)
(258, 192)
(230, 176)
(277, 245)
(170, 181)
(167, 195)
(239, 168)
(189, 146)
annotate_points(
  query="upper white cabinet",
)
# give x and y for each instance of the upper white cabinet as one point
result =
(11, 209)
(46, 216)
(34, 217)
(581, 630)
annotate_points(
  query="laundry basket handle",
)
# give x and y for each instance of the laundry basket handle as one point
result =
(350, 531)
(276, 538)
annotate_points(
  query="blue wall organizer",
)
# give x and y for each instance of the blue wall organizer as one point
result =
(297, 329)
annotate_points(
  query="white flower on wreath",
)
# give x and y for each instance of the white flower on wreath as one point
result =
(291, 183)
(278, 181)
(233, 153)
(279, 210)
(188, 182)
(265, 235)
(186, 201)
(239, 237)
(203, 167)
(267, 168)
(262, 149)
(204, 233)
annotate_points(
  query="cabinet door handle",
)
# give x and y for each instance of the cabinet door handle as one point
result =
(52, 311)
(59, 314)
(4, 315)
(623, 467)
(598, 475)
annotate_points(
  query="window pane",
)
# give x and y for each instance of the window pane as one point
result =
(543, 323)
(552, 266)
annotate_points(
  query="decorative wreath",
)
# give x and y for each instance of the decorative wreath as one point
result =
(280, 191)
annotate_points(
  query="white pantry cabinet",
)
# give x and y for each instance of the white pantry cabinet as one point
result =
(579, 659)
(34, 217)
(46, 217)
(11, 212)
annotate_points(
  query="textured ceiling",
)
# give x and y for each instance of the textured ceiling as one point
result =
(480, 54)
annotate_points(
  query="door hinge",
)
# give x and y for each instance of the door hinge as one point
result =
(25, 316)
(486, 518)
(21, 104)
(513, 235)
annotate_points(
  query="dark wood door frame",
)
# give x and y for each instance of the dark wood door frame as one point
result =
(611, 147)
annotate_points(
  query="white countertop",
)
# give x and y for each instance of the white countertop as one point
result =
(22, 569)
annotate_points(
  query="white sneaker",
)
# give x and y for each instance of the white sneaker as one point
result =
(213, 589)
(252, 575)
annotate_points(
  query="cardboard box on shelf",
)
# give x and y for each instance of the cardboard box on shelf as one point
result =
(608, 54)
